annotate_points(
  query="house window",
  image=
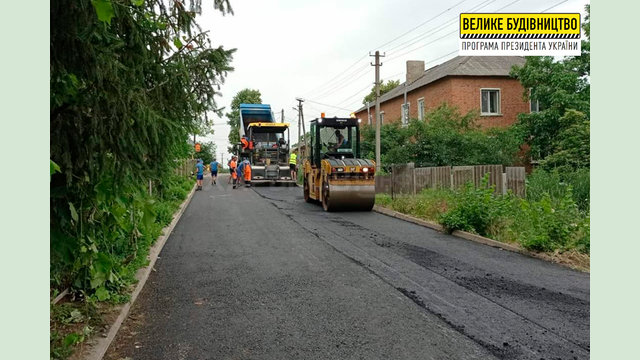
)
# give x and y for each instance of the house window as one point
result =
(490, 101)
(421, 109)
(381, 117)
(534, 106)
(404, 110)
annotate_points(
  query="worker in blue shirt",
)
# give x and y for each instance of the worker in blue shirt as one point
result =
(199, 173)
(239, 172)
(214, 171)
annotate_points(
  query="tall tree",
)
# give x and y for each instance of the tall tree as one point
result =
(245, 96)
(558, 87)
(384, 88)
(129, 81)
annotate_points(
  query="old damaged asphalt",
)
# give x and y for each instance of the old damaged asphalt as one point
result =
(257, 273)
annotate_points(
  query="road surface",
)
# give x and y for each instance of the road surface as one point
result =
(257, 273)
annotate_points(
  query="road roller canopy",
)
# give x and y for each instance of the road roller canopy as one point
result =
(334, 138)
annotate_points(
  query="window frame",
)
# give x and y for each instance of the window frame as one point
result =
(421, 109)
(499, 107)
(531, 102)
(381, 118)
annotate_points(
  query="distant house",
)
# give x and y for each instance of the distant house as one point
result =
(468, 82)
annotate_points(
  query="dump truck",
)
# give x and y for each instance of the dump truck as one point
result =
(334, 172)
(268, 144)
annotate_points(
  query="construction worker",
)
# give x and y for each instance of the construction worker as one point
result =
(293, 158)
(232, 170)
(340, 141)
(200, 173)
(213, 167)
(239, 174)
(245, 168)
(245, 142)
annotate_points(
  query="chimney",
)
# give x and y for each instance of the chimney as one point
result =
(415, 69)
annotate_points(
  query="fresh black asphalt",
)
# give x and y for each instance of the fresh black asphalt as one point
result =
(257, 273)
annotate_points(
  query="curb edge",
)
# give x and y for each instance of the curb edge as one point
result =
(99, 349)
(469, 236)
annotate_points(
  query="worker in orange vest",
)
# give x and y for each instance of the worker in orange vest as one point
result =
(245, 169)
(245, 143)
(232, 169)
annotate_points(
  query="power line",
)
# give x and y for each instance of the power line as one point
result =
(324, 92)
(331, 106)
(355, 94)
(359, 92)
(360, 71)
(337, 76)
(420, 25)
(444, 25)
(447, 34)
(455, 51)
(561, 2)
(344, 82)
(421, 46)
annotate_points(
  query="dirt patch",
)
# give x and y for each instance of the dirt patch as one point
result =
(107, 315)
(572, 259)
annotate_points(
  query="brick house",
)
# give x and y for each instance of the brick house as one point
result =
(467, 82)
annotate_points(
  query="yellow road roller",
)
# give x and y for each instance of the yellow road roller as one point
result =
(334, 173)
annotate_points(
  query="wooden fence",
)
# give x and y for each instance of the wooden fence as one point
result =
(184, 167)
(407, 179)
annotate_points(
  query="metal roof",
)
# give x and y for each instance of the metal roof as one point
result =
(458, 66)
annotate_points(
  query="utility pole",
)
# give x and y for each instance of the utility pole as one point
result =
(194, 147)
(304, 133)
(300, 127)
(377, 83)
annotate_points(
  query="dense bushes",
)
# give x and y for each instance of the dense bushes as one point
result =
(547, 220)
(475, 209)
(445, 138)
(557, 185)
(100, 241)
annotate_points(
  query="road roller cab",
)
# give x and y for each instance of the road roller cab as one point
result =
(334, 172)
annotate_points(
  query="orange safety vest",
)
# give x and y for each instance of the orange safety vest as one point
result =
(232, 167)
(245, 143)
(247, 172)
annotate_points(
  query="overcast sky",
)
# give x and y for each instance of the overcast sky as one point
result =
(318, 49)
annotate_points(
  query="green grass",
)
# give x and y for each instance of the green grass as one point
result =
(546, 221)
